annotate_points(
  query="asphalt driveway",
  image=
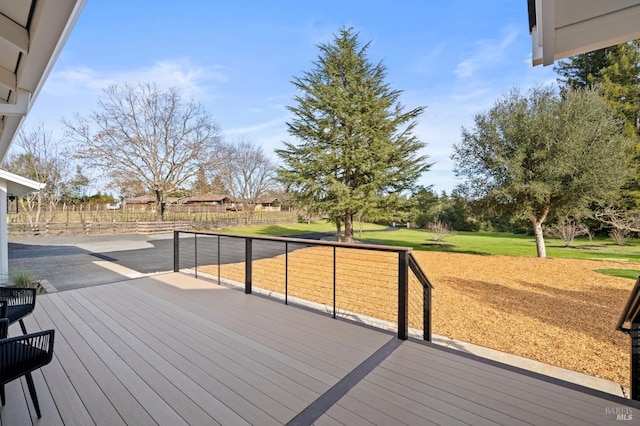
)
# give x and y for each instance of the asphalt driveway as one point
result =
(78, 261)
(69, 262)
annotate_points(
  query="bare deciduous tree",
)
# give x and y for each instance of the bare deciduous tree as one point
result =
(247, 173)
(620, 219)
(144, 134)
(622, 222)
(439, 231)
(567, 230)
(37, 157)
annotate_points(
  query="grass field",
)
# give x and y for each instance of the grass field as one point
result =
(480, 243)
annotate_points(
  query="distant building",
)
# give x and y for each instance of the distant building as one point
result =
(207, 200)
(141, 202)
(269, 204)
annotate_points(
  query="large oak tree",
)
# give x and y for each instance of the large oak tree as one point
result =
(144, 135)
(538, 154)
(355, 151)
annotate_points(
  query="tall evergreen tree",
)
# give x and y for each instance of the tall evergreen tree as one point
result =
(356, 151)
(581, 71)
(616, 70)
(620, 81)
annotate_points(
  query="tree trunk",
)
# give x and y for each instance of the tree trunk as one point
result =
(159, 206)
(338, 232)
(537, 230)
(348, 227)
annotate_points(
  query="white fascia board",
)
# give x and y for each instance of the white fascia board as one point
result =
(18, 185)
(606, 30)
(544, 36)
(20, 107)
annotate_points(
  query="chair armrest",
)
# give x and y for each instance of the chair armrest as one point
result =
(40, 341)
(4, 325)
(3, 310)
(22, 354)
(18, 295)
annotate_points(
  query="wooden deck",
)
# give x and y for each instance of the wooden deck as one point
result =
(174, 350)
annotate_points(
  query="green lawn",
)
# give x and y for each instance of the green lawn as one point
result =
(632, 274)
(295, 228)
(487, 243)
(481, 243)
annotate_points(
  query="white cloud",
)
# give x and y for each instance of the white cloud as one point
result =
(486, 52)
(191, 80)
(276, 123)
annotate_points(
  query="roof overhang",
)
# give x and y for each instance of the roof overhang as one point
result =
(18, 186)
(32, 34)
(563, 28)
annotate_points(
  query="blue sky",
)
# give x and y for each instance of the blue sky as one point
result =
(238, 58)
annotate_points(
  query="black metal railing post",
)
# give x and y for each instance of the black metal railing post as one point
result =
(403, 296)
(334, 281)
(248, 263)
(195, 254)
(218, 259)
(176, 251)
(426, 296)
(635, 360)
(286, 273)
(426, 313)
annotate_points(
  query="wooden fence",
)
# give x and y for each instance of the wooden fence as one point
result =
(48, 229)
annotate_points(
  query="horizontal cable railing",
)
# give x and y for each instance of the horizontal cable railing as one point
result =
(363, 282)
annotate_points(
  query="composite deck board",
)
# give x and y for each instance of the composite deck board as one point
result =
(205, 348)
(306, 347)
(133, 400)
(287, 333)
(95, 385)
(402, 383)
(16, 411)
(219, 385)
(278, 316)
(171, 349)
(500, 380)
(224, 400)
(444, 385)
(53, 380)
(206, 329)
(174, 388)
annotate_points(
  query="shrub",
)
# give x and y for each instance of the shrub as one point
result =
(619, 235)
(567, 230)
(439, 231)
(21, 279)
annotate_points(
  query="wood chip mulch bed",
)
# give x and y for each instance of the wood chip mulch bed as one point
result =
(557, 311)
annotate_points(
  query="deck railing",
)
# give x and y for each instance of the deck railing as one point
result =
(380, 285)
(630, 323)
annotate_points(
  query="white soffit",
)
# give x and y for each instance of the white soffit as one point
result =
(32, 34)
(563, 28)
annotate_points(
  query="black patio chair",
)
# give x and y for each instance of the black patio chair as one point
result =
(20, 302)
(21, 355)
